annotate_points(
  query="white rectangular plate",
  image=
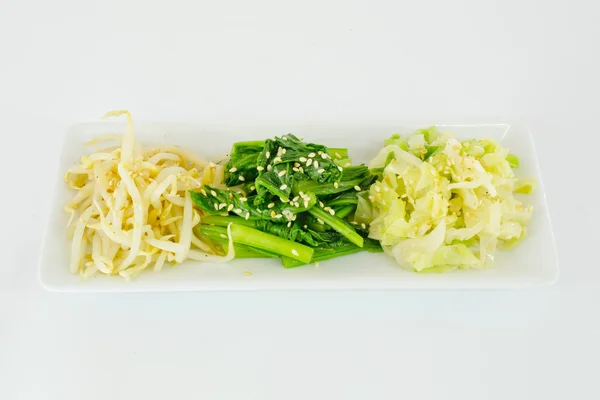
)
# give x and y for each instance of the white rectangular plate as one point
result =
(533, 262)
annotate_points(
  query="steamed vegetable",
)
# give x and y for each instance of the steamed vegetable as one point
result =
(441, 204)
(285, 194)
(133, 209)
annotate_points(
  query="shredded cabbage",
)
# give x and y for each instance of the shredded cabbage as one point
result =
(441, 204)
(133, 208)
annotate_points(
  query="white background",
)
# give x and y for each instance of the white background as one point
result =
(64, 62)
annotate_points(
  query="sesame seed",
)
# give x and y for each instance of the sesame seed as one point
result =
(243, 199)
(340, 168)
(357, 188)
(332, 212)
(301, 194)
(213, 192)
(271, 205)
(302, 159)
(237, 211)
(282, 173)
(247, 216)
(319, 220)
(295, 252)
(335, 185)
(283, 187)
(242, 178)
(296, 164)
(308, 162)
(289, 224)
(284, 138)
(273, 214)
(260, 168)
(305, 226)
(230, 207)
(276, 160)
(278, 216)
(377, 189)
(284, 200)
(269, 167)
(316, 164)
(347, 165)
(283, 151)
(222, 205)
(216, 206)
(326, 208)
(311, 155)
(252, 187)
(354, 223)
(319, 152)
(295, 198)
(363, 225)
(279, 151)
(233, 169)
(301, 169)
(295, 169)
(268, 154)
(203, 191)
(321, 170)
(338, 155)
(305, 203)
(321, 204)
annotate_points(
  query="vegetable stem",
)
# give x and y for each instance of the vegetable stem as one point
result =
(337, 224)
(261, 240)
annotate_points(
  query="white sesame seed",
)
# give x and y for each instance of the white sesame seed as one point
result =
(319, 152)
(305, 203)
(354, 223)
(295, 169)
(363, 226)
(222, 205)
(284, 138)
(324, 156)
(242, 178)
(316, 164)
(301, 194)
(252, 187)
(295, 198)
(321, 204)
(301, 169)
(216, 206)
(233, 169)
(278, 216)
(268, 154)
(296, 164)
(338, 155)
(357, 188)
(279, 151)
(243, 199)
(230, 207)
(282, 173)
(203, 191)
(269, 167)
(213, 192)
(311, 155)
(321, 170)
(308, 162)
(332, 211)
(271, 205)
(319, 220)
(260, 168)
(326, 208)
(305, 226)
(283, 187)
(276, 160)
(283, 151)
(302, 159)
(335, 185)
(340, 168)
(289, 224)
(237, 211)
(295, 252)
(273, 214)
(247, 215)
(294, 217)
